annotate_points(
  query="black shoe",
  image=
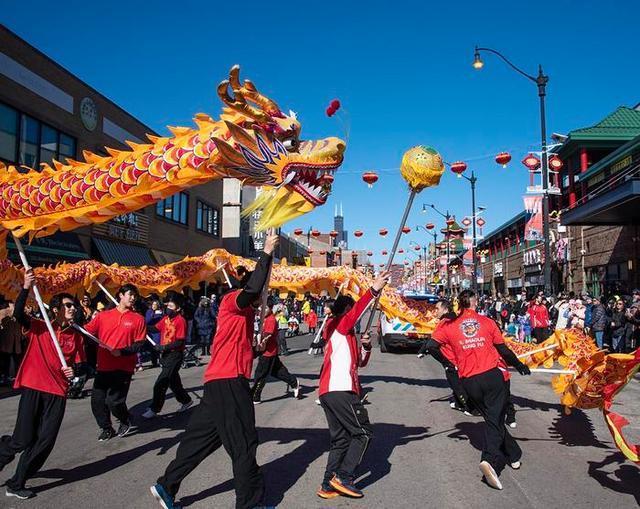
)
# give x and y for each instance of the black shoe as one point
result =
(107, 434)
(21, 493)
(126, 429)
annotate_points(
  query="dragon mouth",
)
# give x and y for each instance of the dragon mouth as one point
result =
(307, 180)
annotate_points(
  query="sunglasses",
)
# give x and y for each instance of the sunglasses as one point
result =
(69, 305)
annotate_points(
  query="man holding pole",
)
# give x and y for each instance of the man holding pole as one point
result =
(124, 331)
(226, 415)
(44, 383)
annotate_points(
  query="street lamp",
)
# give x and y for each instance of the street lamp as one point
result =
(434, 233)
(459, 169)
(541, 82)
(424, 263)
(448, 220)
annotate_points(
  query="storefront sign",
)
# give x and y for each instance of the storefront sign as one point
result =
(532, 257)
(497, 269)
(132, 227)
(514, 283)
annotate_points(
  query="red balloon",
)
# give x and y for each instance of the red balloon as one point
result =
(335, 104)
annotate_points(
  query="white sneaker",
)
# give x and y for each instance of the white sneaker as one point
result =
(149, 414)
(296, 390)
(513, 424)
(318, 402)
(490, 475)
(515, 465)
(185, 407)
(420, 355)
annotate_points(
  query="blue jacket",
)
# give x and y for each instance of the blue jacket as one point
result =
(204, 321)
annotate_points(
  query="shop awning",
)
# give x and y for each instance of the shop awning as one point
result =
(619, 206)
(123, 254)
(56, 248)
(163, 257)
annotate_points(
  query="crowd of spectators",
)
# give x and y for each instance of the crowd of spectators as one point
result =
(613, 323)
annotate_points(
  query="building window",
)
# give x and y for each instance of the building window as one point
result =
(207, 219)
(25, 140)
(174, 208)
(8, 133)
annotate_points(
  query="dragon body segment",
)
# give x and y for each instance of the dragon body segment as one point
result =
(253, 141)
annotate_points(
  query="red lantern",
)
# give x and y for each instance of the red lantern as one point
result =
(381, 265)
(358, 233)
(450, 221)
(406, 262)
(323, 252)
(315, 233)
(406, 229)
(333, 234)
(370, 177)
(310, 251)
(555, 163)
(384, 252)
(430, 226)
(417, 248)
(369, 253)
(297, 231)
(383, 232)
(503, 158)
(459, 168)
(532, 162)
(327, 179)
(480, 222)
(400, 250)
(466, 221)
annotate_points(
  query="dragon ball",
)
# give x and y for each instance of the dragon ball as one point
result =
(421, 167)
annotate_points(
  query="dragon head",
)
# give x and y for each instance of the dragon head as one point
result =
(263, 144)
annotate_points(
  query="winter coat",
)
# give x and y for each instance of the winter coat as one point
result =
(204, 321)
(539, 315)
(598, 318)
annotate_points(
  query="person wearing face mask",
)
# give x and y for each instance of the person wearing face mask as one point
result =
(339, 389)
(225, 415)
(123, 331)
(44, 383)
(173, 334)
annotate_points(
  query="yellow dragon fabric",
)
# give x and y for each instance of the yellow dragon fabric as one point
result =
(253, 141)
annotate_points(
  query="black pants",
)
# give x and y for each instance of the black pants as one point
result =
(270, 366)
(109, 397)
(204, 340)
(540, 334)
(490, 395)
(350, 432)
(225, 416)
(39, 418)
(456, 386)
(283, 349)
(169, 377)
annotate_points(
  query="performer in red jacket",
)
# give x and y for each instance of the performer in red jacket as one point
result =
(44, 383)
(347, 418)
(539, 315)
(173, 336)
(269, 362)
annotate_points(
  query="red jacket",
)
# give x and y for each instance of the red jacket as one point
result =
(342, 356)
(539, 315)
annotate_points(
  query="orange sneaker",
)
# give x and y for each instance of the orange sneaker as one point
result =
(345, 486)
(326, 491)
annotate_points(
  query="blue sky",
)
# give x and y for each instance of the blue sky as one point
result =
(401, 69)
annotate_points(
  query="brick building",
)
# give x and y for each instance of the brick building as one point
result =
(48, 113)
(594, 238)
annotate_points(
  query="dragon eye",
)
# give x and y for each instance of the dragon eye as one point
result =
(291, 144)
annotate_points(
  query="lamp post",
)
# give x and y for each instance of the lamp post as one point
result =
(459, 169)
(447, 218)
(541, 81)
(423, 261)
(434, 233)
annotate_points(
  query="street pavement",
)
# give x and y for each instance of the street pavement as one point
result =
(424, 454)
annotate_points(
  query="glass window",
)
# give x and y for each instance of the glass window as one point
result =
(48, 144)
(29, 141)
(67, 146)
(207, 219)
(175, 208)
(8, 133)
